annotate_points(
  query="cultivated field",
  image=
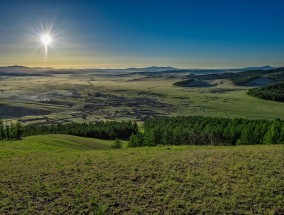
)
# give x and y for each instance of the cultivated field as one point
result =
(59, 174)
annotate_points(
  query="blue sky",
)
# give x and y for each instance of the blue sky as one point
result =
(118, 34)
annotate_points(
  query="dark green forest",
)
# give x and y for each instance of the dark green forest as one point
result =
(198, 130)
(274, 92)
(10, 132)
(193, 130)
(183, 82)
(242, 80)
(101, 130)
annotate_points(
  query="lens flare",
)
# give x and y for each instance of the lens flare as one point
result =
(46, 39)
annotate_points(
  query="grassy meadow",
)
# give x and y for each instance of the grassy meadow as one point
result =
(61, 174)
(90, 97)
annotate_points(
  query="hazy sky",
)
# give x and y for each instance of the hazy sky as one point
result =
(121, 33)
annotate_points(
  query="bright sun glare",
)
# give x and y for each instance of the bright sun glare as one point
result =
(46, 39)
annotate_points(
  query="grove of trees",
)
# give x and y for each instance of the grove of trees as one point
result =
(273, 92)
(243, 80)
(182, 130)
(10, 132)
(198, 130)
(183, 83)
(101, 130)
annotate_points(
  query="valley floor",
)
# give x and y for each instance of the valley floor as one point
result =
(59, 174)
(91, 97)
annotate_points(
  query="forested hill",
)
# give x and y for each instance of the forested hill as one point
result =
(247, 76)
(238, 78)
(274, 92)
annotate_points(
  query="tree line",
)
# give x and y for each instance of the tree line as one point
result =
(243, 80)
(183, 83)
(10, 132)
(101, 130)
(198, 130)
(273, 92)
(183, 130)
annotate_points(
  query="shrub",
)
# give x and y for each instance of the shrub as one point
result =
(116, 144)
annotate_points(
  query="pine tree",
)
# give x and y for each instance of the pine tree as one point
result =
(136, 140)
(12, 131)
(7, 131)
(273, 135)
(149, 139)
(2, 132)
(135, 128)
(19, 130)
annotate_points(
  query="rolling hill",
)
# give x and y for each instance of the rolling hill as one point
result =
(60, 174)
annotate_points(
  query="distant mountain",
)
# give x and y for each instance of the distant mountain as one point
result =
(151, 69)
(19, 69)
(23, 67)
(178, 70)
(16, 67)
(257, 68)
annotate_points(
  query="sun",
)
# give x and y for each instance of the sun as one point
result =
(46, 39)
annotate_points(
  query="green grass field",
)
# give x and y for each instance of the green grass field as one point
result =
(61, 174)
(63, 97)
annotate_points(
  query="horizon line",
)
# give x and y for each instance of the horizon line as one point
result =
(139, 67)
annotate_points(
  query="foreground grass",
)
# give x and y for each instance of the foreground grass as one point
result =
(60, 174)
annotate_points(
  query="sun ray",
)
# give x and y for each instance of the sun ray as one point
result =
(46, 39)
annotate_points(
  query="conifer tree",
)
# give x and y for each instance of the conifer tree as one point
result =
(19, 130)
(7, 132)
(2, 131)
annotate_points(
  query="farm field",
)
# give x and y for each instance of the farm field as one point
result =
(57, 174)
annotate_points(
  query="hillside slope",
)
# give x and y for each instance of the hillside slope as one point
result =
(59, 176)
(54, 142)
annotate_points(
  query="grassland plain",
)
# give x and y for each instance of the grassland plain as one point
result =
(68, 97)
(61, 174)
